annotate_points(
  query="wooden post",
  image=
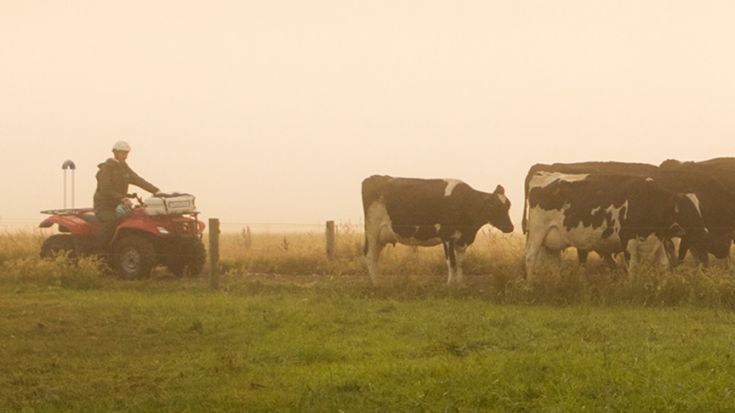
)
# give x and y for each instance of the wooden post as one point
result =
(330, 239)
(214, 253)
(247, 238)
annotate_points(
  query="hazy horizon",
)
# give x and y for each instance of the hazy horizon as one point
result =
(274, 112)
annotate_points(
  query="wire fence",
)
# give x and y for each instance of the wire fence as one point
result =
(272, 227)
(26, 224)
(239, 237)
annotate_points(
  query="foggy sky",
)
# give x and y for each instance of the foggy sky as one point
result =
(275, 111)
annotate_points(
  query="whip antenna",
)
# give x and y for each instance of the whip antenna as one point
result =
(69, 165)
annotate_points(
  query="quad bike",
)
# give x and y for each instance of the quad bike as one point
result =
(162, 229)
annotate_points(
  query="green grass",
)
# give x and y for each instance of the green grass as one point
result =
(289, 330)
(163, 345)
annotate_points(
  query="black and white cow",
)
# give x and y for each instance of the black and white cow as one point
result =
(714, 183)
(427, 212)
(616, 168)
(704, 179)
(592, 167)
(722, 169)
(606, 213)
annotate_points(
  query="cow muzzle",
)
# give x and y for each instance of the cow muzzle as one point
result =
(676, 230)
(506, 228)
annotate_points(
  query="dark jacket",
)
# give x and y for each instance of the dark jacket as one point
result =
(113, 178)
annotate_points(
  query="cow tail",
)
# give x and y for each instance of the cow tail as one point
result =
(371, 191)
(524, 220)
(527, 183)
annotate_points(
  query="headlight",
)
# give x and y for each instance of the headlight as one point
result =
(162, 230)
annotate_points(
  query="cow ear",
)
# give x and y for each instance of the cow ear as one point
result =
(500, 190)
(491, 200)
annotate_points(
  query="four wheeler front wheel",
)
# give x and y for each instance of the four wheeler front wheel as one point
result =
(133, 256)
(187, 257)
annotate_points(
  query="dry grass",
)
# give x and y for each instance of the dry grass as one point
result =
(20, 244)
(493, 268)
(305, 253)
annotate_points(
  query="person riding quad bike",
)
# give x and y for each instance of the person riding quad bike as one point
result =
(111, 202)
(133, 239)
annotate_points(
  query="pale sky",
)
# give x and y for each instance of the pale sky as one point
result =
(274, 111)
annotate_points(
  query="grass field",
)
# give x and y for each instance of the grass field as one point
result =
(291, 331)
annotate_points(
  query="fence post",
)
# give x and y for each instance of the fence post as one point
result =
(214, 253)
(247, 238)
(330, 239)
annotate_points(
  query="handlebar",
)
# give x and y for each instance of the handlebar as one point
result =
(135, 196)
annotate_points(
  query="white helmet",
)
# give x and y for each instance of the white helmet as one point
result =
(121, 146)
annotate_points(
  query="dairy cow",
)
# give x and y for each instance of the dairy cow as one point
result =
(607, 213)
(722, 169)
(704, 179)
(427, 212)
(616, 168)
(714, 182)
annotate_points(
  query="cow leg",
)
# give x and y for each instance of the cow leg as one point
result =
(670, 250)
(610, 261)
(701, 256)
(683, 248)
(728, 258)
(663, 255)
(626, 258)
(552, 259)
(631, 249)
(459, 251)
(373, 247)
(534, 247)
(451, 260)
(582, 256)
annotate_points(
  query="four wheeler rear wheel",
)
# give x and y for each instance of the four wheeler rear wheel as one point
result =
(57, 244)
(187, 257)
(133, 256)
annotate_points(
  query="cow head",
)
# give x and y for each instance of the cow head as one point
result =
(688, 221)
(496, 208)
